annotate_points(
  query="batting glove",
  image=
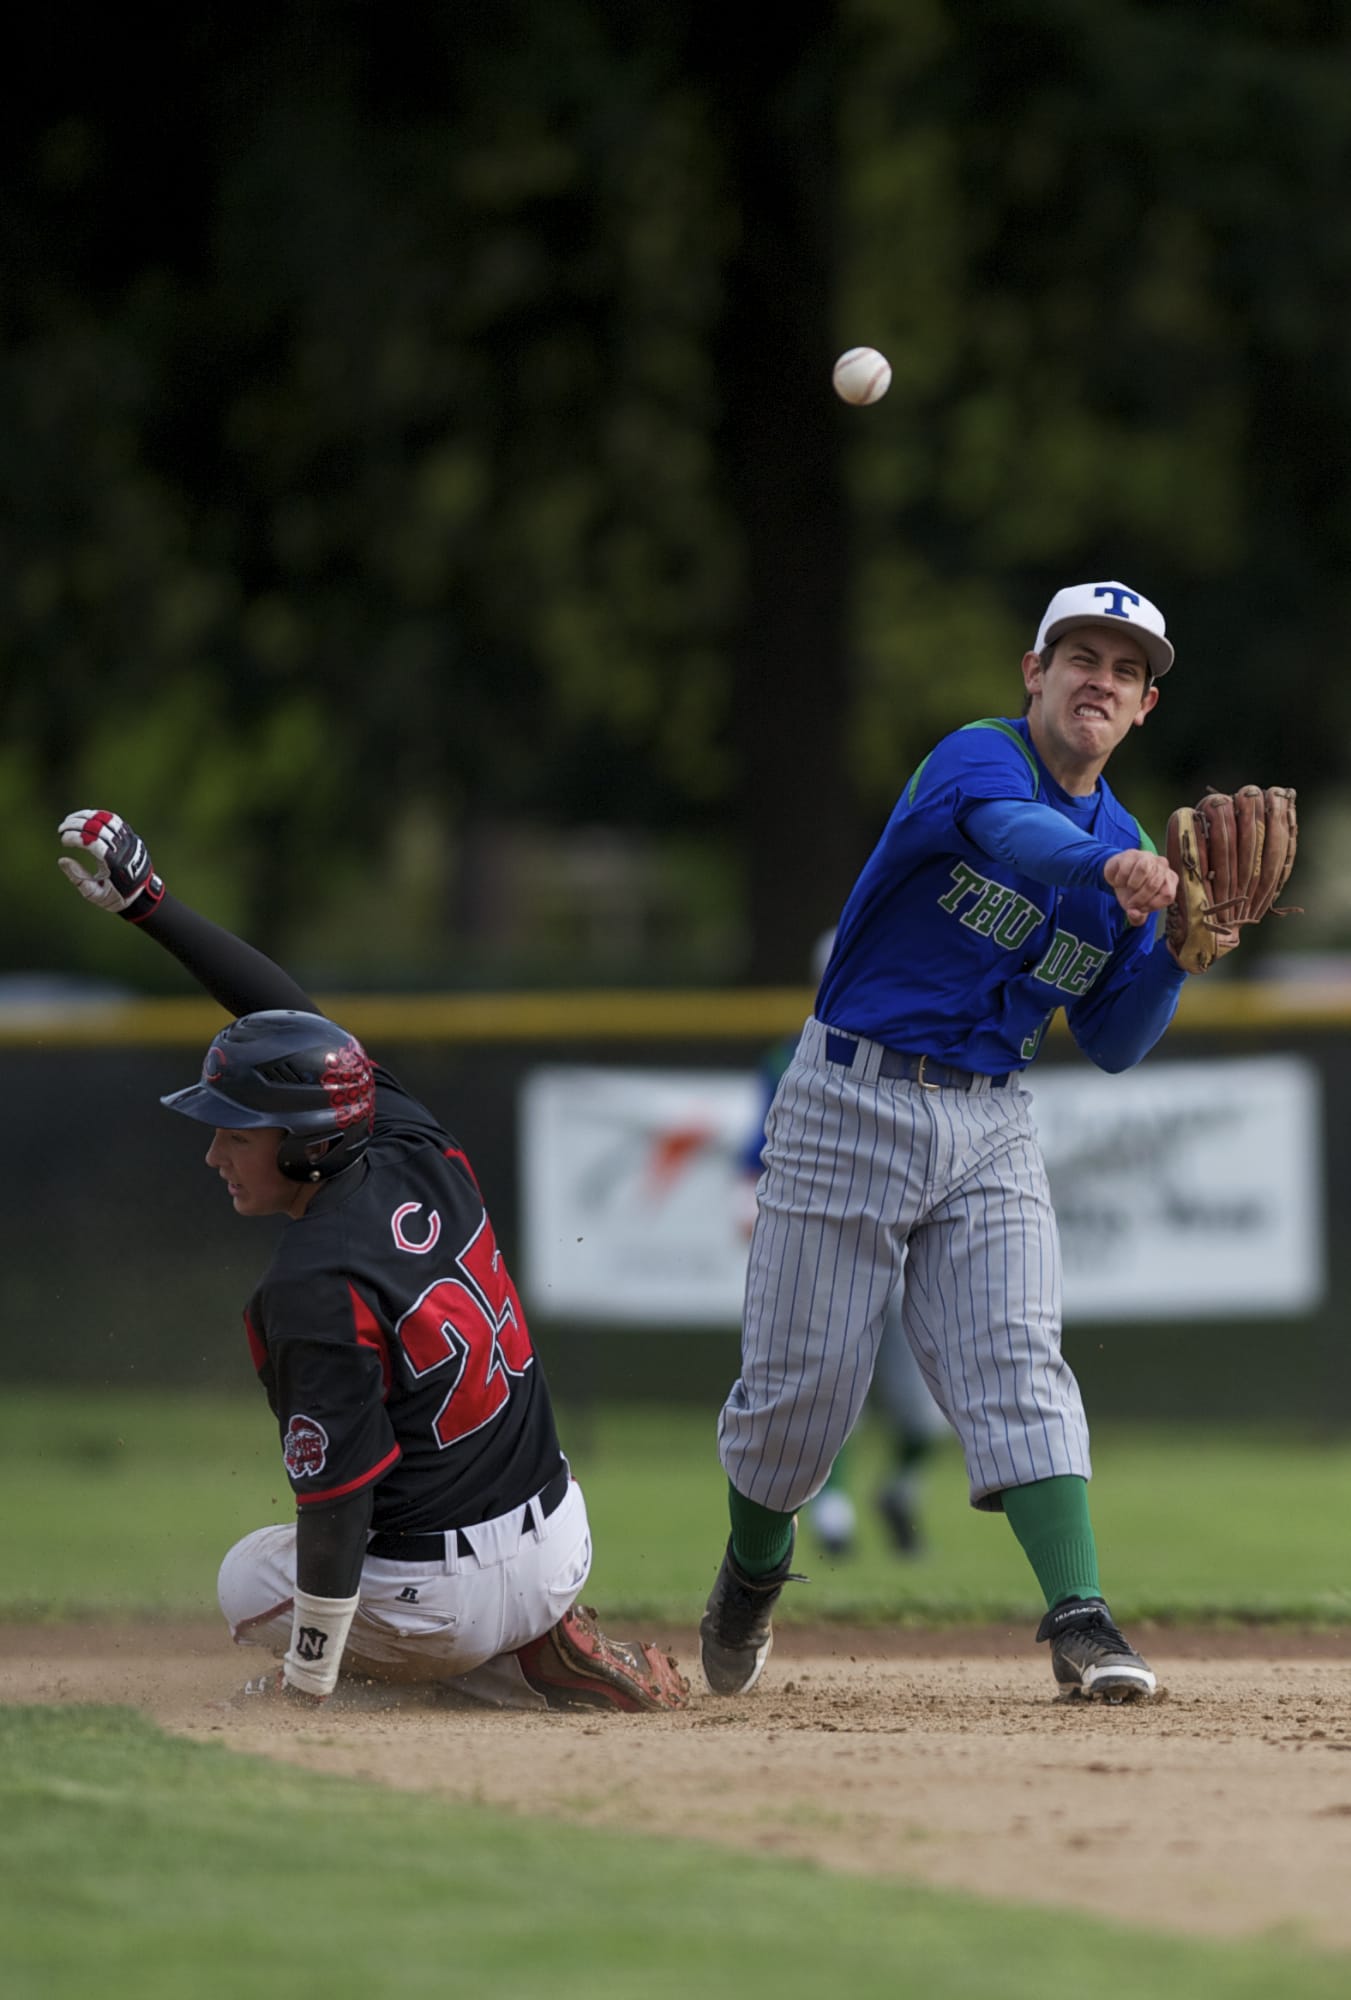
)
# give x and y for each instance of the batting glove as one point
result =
(122, 878)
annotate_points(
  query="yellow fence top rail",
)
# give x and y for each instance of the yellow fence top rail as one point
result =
(600, 1015)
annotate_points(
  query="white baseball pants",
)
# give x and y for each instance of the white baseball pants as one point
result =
(459, 1620)
(872, 1185)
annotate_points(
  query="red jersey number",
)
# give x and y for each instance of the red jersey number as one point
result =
(474, 1329)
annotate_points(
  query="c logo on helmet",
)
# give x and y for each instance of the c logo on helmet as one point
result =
(349, 1085)
(304, 1447)
(214, 1065)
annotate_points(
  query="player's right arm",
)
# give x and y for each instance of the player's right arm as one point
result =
(325, 1383)
(1040, 843)
(985, 780)
(115, 873)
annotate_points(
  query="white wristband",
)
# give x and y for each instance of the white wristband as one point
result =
(319, 1628)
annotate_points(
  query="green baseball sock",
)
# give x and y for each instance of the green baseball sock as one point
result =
(760, 1537)
(1050, 1519)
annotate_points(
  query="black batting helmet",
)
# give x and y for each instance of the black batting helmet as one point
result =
(296, 1071)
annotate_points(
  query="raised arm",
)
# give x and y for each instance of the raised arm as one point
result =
(116, 874)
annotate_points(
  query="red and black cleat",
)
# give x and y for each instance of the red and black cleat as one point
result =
(574, 1665)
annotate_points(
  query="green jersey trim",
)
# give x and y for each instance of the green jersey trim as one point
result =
(985, 722)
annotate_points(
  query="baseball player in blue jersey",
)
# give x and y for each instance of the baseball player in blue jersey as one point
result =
(900, 1151)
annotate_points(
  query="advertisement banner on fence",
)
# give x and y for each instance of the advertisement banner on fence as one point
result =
(1186, 1190)
(631, 1203)
(1183, 1190)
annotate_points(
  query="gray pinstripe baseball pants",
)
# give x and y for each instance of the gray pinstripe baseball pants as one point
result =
(869, 1183)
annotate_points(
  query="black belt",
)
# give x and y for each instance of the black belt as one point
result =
(923, 1070)
(394, 1547)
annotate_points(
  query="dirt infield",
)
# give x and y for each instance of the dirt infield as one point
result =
(1224, 1807)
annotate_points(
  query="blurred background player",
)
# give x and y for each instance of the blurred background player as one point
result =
(913, 1421)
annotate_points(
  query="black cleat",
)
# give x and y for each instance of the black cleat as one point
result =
(1089, 1656)
(735, 1632)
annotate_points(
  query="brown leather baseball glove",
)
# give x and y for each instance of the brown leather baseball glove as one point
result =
(1232, 854)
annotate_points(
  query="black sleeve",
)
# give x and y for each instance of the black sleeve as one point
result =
(241, 979)
(331, 1544)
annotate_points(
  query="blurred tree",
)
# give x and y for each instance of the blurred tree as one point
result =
(378, 485)
(775, 106)
(1097, 245)
(414, 422)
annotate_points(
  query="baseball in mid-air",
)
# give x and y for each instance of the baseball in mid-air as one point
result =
(862, 375)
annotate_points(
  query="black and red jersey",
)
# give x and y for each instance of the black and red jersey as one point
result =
(391, 1342)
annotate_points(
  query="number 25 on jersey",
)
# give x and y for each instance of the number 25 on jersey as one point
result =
(473, 1329)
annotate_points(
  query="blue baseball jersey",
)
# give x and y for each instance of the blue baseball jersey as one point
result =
(945, 951)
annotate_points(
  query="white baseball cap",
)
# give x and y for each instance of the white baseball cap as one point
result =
(1099, 604)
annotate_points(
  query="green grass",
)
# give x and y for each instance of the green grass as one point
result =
(128, 1504)
(1192, 1524)
(135, 1865)
(139, 1867)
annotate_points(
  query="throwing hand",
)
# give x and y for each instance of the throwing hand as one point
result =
(1141, 882)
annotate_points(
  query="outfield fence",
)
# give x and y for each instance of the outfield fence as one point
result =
(123, 1264)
